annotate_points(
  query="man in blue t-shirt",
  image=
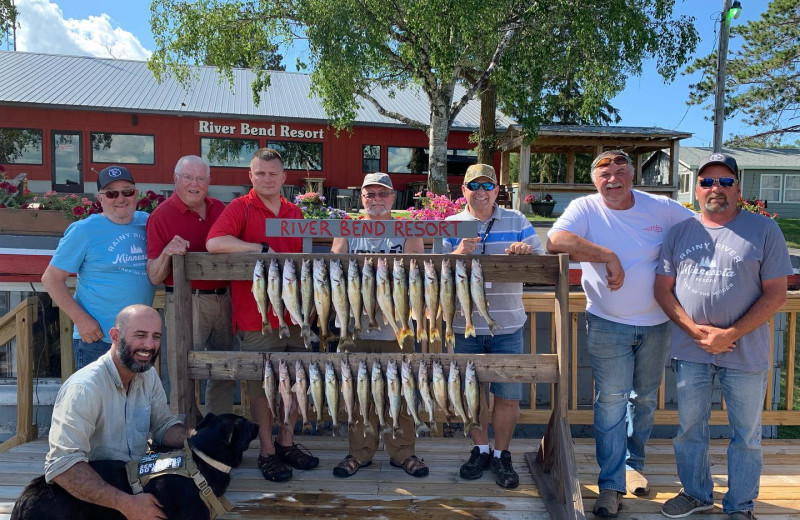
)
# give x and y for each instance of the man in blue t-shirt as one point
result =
(109, 254)
(721, 276)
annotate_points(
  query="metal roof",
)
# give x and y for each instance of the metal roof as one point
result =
(746, 158)
(81, 82)
(605, 131)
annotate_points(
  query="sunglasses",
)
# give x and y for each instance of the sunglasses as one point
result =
(617, 159)
(378, 195)
(724, 182)
(113, 194)
(475, 186)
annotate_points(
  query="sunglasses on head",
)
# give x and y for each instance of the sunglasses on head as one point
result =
(724, 182)
(475, 186)
(113, 194)
(617, 159)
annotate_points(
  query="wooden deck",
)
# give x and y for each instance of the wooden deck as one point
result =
(384, 492)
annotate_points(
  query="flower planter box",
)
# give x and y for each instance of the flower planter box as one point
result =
(545, 209)
(32, 222)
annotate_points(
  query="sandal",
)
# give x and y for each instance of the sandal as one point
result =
(348, 467)
(273, 469)
(412, 465)
(296, 456)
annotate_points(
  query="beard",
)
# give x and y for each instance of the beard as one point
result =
(716, 205)
(126, 356)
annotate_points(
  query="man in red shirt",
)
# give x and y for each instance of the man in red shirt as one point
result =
(241, 229)
(177, 225)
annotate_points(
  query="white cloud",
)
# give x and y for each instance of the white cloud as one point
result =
(44, 29)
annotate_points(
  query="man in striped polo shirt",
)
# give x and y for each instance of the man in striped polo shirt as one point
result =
(501, 231)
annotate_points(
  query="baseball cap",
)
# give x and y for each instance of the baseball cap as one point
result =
(378, 178)
(113, 173)
(722, 159)
(480, 170)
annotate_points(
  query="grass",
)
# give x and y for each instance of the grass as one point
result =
(791, 231)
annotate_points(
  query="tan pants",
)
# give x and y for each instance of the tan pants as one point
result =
(255, 341)
(364, 448)
(212, 329)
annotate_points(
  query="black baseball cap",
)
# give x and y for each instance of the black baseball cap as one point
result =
(722, 159)
(113, 173)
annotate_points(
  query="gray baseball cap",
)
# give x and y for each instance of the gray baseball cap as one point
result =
(722, 159)
(381, 179)
(113, 173)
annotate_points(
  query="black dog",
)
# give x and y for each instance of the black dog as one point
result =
(223, 438)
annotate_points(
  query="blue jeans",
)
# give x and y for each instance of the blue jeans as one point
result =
(628, 364)
(497, 344)
(744, 397)
(84, 353)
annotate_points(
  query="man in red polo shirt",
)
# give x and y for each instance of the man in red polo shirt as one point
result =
(240, 229)
(177, 225)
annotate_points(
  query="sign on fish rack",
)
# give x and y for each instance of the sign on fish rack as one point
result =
(347, 228)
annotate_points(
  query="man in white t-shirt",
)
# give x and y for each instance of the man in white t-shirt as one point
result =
(616, 234)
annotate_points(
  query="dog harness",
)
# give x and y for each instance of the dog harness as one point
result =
(181, 463)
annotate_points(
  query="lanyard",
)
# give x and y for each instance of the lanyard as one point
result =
(485, 235)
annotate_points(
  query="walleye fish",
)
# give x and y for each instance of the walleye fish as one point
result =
(472, 394)
(290, 292)
(300, 390)
(476, 290)
(322, 300)
(270, 389)
(454, 394)
(354, 296)
(348, 392)
(395, 396)
(424, 387)
(416, 291)
(400, 298)
(307, 301)
(368, 293)
(316, 389)
(274, 292)
(433, 309)
(383, 290)
(379, 395)
(339, 297)
(447, 298)
(409, 388)
(332, 395)
(285, 389)
(440, 389)
(259, 289)
(362, 391)
(462, 290)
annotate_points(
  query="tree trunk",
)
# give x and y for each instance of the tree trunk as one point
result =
(486, 133)
(437, 137)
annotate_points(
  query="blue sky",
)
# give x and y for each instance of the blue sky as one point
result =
(122, 30)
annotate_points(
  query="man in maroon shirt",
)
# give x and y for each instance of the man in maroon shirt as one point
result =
(177, 225)
(240, 229)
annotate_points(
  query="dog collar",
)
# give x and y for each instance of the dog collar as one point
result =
(211, 462)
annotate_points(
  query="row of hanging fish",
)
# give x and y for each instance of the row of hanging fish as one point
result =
(374, 389)
(327, 289)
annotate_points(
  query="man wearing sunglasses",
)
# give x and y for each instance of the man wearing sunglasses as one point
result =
(180, 224)
(107, 251)
(502, 231)
(616, 235)
(721, 276)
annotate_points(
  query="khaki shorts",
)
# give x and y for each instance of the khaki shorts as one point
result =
(254, 341)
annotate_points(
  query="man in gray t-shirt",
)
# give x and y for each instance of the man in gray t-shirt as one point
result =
(720, 277)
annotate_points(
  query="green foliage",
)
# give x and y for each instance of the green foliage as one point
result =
(14, 142)
(791, 232)
(8, 16)
(763, 82)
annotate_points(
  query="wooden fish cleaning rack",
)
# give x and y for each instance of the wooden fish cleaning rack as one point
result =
(553, 464)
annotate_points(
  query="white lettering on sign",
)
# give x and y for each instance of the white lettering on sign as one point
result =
(371, 228)
(249, 129)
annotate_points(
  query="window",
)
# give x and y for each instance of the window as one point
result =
(123, 148)
(370, 158)
(685, 182)
(20, 146)
(459, 160)
(408, 160)
(235, 153)
(770, 188)
(792, 189)
(299, 156)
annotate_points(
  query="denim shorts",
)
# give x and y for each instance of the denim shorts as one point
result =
(497, 344)
(84, 353)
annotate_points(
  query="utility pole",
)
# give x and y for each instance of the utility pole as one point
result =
(728, 13)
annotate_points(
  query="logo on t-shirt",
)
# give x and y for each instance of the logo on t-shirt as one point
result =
(655, 228)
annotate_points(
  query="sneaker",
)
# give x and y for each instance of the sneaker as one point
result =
(683, 505)
(274, 469)
(296, 456)
(742, 515)
(477, 462)
(506, 477)
(608, 503)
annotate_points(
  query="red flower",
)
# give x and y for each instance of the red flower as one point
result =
(78, 211)
(151, 195)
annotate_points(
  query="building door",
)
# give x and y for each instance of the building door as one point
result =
(67, 162)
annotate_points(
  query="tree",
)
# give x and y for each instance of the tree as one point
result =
(8, 16)
(763, 82)
(449, 50)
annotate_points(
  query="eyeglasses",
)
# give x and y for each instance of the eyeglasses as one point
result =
(377, 194)
(189, 179)
(113, 194)
(475, 186)
(617, 159)
(724, 182)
